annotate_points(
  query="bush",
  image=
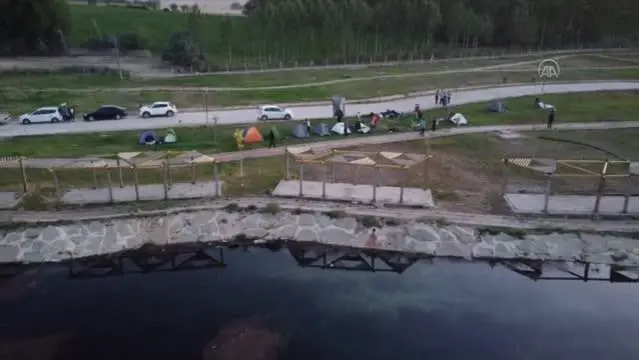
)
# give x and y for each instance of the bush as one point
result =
(131, 41)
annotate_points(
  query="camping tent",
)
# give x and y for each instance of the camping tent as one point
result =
(171, 137)
(251, 135)
(497, 107)
(147, 138)
(300, 131)
(339, 128)
(321, 129)
(543, 105)
(364, 129)
(458, 119)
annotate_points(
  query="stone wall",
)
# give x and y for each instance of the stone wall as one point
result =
(73, 240)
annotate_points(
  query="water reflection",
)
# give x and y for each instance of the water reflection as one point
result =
(252, 303)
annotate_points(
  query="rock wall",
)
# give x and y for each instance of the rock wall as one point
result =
(58, 243)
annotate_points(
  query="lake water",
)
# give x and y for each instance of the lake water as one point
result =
(263, 300)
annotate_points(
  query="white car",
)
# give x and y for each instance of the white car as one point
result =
(158, 108)
(49, 114)
(271, 112)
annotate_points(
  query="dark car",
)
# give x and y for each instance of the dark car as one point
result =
(106, 112)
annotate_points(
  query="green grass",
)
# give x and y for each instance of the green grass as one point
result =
(154, 26)
(575, 107)
(18, 101)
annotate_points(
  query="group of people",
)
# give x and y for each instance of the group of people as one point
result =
(443, 98)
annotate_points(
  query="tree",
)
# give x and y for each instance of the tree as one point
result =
(182, 51)
(33, 26)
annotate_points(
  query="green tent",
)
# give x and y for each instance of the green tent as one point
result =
(277, 133)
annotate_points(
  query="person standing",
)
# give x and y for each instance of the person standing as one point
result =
(308, 125)
(433, 125)
(449, 97)
(271, 139)
(418, 112)
(551, 118)
(437, 93)
(422, 127)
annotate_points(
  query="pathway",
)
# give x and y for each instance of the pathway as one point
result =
(316, 111)
(349, 142)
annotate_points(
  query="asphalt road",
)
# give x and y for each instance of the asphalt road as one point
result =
(239, 116)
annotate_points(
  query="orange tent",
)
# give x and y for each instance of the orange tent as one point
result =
(252, 135)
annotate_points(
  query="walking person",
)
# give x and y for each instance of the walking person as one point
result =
(308, 125)
(422, 127)
(449, 97)
(418, 112)
(551, 118)
(271, 139)
(437, 93)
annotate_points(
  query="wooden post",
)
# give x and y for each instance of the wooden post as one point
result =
(242, 169)
(56, 182)
(401, 186)
(119, 165)
(136, 183)
(504, 185)
(600, 188)
(375, 182)
(287, 163)
(168, 172)
(333, 179)
(216, 178)
(166, 180)
(193, 174)
(109, 183)
(95, 176)
(23, 170)
(301, 178)
(324, 180)
(547, 193)
(626, 198)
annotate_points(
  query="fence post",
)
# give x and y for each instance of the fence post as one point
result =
(324, 180)
(301, 178)
(136, 180)
(109, 183)
(504, 185)
(23, 171)
(547, 193)
(287, 163)
(216, 178)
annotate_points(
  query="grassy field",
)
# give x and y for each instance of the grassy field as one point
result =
(18, 101)
(576, 107)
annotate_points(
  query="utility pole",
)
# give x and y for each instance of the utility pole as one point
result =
(117, 56)
(206, 107)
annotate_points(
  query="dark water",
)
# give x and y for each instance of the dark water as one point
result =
(432, 311)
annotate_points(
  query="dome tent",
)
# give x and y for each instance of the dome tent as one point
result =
(301, 132)
(251, 135)
(340, 128)
(147, 138)
(322, 130)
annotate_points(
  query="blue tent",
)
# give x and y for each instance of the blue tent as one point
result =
(497, 107)
(147, 138)
(300, 131)
(322, 130)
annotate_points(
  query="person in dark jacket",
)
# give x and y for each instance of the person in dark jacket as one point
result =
(551, 118)
(418, 112)
(433, 125)
(271, 139)
(339, 115)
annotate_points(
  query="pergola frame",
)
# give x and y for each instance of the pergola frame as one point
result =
(579, 169)
(306, 155)
(135, 161)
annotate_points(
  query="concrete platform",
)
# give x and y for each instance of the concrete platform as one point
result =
(8, 199)
(351, 192)
(570, 204)
(147, 193)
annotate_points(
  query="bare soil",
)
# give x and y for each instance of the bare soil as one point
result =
(466, 173)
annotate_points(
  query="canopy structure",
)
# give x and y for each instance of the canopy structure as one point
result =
(380, 159)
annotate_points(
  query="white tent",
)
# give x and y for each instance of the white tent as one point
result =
(364, 129)
(545, 106)
(339, 128)
(458, 119)
(170, 138)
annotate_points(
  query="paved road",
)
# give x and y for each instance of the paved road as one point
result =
(346, 142)
(239, 116)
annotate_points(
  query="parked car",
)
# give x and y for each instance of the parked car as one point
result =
(106, 112)
(158, 108)
(49, 114)
(5, 118)
(272, 112)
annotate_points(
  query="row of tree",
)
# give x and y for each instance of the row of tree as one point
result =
(346, 30)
